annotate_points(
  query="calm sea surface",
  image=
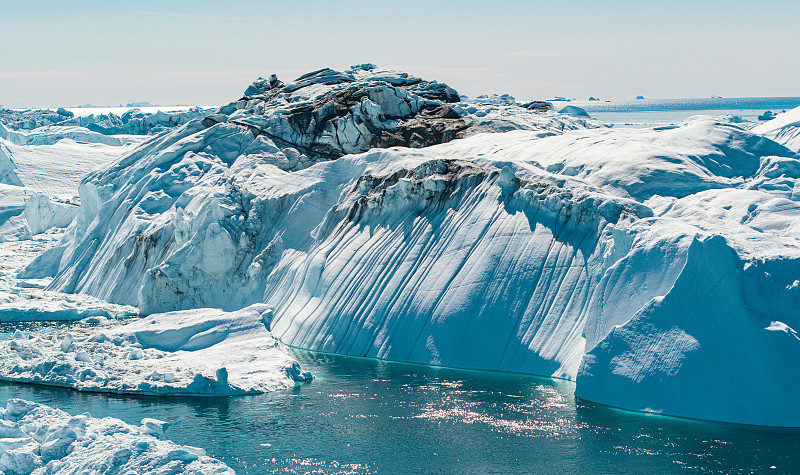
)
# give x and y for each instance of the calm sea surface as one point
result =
(367, 416)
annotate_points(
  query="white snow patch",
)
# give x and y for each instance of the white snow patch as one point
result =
(202, 352)
(38, 439)
(24, 300)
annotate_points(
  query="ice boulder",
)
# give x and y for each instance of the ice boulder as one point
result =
(39, 439)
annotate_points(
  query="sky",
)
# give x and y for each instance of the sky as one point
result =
(68, 53)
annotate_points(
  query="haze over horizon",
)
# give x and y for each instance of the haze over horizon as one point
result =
(60, 54)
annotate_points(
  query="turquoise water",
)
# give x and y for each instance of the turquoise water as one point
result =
(368, 416)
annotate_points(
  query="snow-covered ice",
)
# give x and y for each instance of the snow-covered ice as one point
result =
(38, 439)
(39, 175)
(378, 216)
(784, 129)
(23, 300)
(202, 352)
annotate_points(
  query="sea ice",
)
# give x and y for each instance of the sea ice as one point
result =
(202, 352)
(38, 439)
(784, 129)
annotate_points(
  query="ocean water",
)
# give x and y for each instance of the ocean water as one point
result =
(641, 119)
(659, 112)
(368, 416)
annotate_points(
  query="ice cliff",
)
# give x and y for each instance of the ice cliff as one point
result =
(378, 215)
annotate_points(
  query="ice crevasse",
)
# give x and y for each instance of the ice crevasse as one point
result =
(658, 268)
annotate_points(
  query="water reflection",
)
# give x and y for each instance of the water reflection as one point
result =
(366, 416)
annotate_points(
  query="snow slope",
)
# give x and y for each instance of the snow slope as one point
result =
(196, 353)
(784, 129)
(23, 300)
(38, 439)
(649, 256)
(40, 172)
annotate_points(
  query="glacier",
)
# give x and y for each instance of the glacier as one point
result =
(377, 214)
(39, 439)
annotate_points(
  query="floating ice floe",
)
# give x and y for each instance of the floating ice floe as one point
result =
(638, 262)
(202, 352)
(38, 439)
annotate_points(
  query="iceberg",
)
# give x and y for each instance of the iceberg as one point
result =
(33, 118)
(378, 215)
(784, 129)
(202, 352)
(135, 121)
(38, 439)
(39, 175)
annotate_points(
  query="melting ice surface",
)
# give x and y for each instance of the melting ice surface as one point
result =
(657, 268)
(367, 416)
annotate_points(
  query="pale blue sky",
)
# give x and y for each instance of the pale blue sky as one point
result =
(64, 53)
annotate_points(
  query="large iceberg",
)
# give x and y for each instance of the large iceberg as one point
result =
(38, 439)
(379, 217)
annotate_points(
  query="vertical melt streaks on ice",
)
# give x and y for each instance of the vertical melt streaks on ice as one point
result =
(519, 251)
